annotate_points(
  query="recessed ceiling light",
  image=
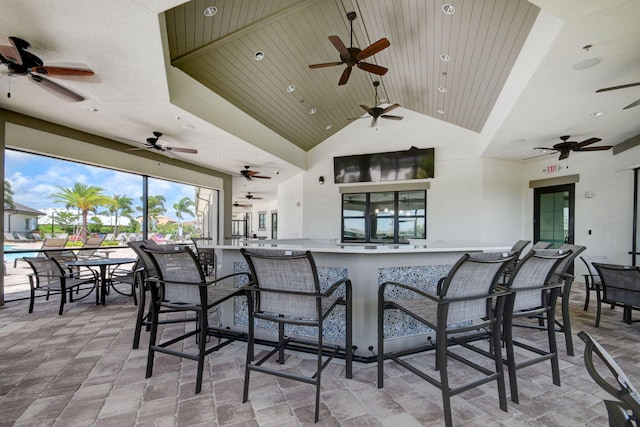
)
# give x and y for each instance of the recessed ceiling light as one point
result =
(219, 156)
(444, 57)
(92, 109)
(327, 127)
(442, 89)
(440, 111)
(598, 113)
(210, 11)
(291, 88)
(259, 55)
(587, 63)
(448, 9)
(312, 111)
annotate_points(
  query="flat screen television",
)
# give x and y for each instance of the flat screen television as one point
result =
(415, 163)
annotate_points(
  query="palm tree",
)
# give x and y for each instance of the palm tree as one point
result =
(120, 206)
(155, 208)
(183, 207)
(8, 196)
(87, 198)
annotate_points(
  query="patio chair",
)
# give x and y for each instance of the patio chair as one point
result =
(592, 280)
(90, 248)
(49, 243)
(146, 269)
(625, 410)
(517, 247)
(286, 290)
(9, 237)
(621, 287)
(532, 293)
(562, 274)
(181, 285)
(51, 277)
(207, 257)
(460, 314)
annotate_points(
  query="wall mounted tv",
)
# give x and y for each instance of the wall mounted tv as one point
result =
(415, 163)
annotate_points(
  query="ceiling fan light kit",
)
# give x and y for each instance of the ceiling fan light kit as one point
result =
(376, 111)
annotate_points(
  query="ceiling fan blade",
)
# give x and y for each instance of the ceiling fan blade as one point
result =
(633, 104)
(387, 116)
(62, 71)
(261, 177)
(9, 50)
(372, 68)
(564, 154)
(357, 118)
(618, 87)
(340, 47)
(601, 148)
(374, 120)
(544, 148)
(390, 107)
(182, 150)
(56, 88)
(588, 142)
(365, 108)
(326, 64)
(345, 76)
(376, 47)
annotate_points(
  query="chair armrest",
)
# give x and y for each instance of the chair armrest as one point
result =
(282, 291)
(218, 279)
(335, 286)
(412, 289)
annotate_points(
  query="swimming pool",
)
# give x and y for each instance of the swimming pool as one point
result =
(11, 257)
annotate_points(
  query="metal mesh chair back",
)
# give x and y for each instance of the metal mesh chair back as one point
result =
(90, 246)
(473, 276)
(589, 260)
(47, 271)
(566, 263)
(541, 245)
(519, 246)
(620, 283)
(534, 271)
(293, 271)
(179, 270)
(143, 257)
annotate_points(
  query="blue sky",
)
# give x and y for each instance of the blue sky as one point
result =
(34, 178)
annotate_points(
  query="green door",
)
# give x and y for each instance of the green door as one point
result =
(553, 214)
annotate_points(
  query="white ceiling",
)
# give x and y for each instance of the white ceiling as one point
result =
(137, 91)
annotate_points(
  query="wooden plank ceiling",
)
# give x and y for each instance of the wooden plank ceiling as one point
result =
(482, 38)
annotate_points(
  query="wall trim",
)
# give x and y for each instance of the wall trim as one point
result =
(550, 182)
(379, 188)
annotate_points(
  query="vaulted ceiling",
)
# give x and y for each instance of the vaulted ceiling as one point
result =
(478, 42)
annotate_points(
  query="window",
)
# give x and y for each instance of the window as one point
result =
(262, 221)
(174, 211)
(384, 217)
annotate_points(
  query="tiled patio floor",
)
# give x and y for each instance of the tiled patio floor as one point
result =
(78, 369)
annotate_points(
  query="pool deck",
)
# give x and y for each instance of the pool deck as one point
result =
(16, 279)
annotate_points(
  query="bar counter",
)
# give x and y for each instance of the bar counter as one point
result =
(421, 263)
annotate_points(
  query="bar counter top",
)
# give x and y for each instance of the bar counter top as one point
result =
(333, 246)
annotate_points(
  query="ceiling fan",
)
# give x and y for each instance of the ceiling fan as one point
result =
(238, 205)
(566, 147)
(152, 144)
(353, 56)
(376, 111)
(13, 54)
(252, 197)
(249, 174)
(633, 104)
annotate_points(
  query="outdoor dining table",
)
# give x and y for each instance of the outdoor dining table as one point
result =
(102, 264)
